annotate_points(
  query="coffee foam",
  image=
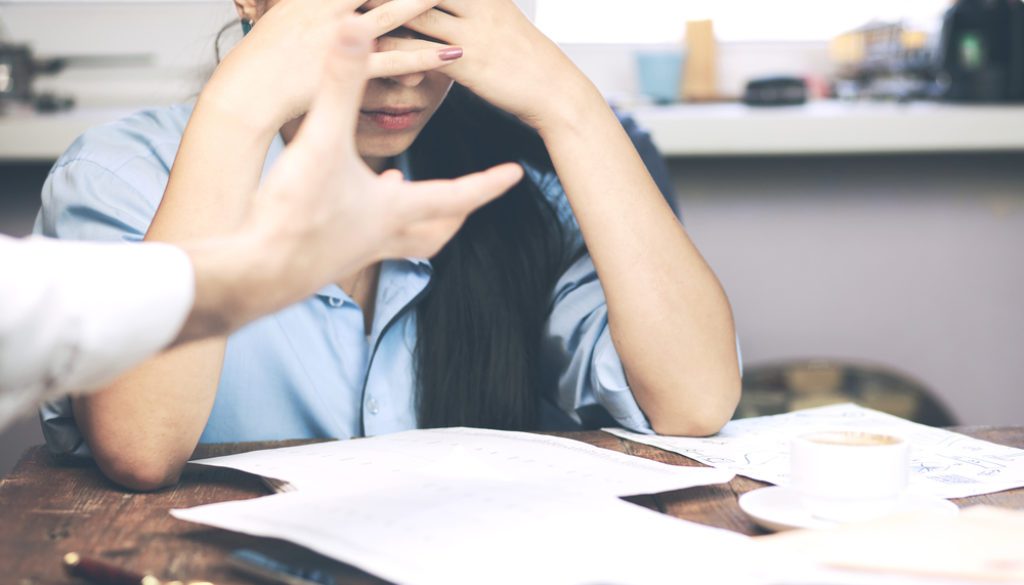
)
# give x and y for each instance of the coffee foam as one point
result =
(852, 439)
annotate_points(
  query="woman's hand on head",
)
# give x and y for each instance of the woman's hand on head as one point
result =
(330, 211)
(271, 77)
(507, 60)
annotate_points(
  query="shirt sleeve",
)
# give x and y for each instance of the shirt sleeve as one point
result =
(580, 360)
(591, 383)
(74, 315)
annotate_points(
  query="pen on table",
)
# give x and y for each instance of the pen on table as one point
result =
(103, 573)
(275, 571)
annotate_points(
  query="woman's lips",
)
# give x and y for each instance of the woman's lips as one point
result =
(393, 119)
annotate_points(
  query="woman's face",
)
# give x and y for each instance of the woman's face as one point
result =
(395, 109)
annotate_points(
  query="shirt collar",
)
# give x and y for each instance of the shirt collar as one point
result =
(394, 273)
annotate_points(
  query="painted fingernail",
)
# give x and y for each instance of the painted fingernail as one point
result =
(450, 54)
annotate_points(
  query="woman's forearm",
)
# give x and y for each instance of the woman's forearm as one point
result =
(144, 427)
(669, 317)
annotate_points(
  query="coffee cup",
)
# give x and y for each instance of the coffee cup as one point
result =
(844, 476)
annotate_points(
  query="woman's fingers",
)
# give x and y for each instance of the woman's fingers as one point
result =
(394, 14)
(458, 7)
(426, 56)
(436, 24)
(446, 6)
(331, 121)
(458, 197)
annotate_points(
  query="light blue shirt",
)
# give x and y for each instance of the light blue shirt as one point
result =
(310, 371)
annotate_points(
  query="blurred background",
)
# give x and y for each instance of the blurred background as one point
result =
(854, 171)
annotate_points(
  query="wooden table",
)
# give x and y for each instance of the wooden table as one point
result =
(49, 509)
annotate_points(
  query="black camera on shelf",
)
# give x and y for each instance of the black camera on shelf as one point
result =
(18, 71)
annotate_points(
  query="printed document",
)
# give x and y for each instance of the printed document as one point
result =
(943, 463)
(468, 532)
(414, 457)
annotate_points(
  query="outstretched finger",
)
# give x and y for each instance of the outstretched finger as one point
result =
(405, 62)
(391, 15)
(332, 118)
(459, 197)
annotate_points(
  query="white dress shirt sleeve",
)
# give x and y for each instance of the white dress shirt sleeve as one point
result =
(74, 315)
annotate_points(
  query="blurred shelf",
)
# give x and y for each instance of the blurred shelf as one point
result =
(819, 128)
(26, 135)
(833, 128)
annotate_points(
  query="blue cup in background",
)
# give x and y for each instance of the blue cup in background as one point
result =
(660, 75)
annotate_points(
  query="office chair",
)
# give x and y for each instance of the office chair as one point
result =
(793, 385)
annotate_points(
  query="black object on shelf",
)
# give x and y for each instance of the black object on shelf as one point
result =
(19, 69)
(775, 91)
(982, 51)
(16, 67)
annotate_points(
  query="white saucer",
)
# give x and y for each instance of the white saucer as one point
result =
(779, 508)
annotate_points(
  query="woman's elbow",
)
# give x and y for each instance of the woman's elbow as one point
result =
(701, 417)
(141, 474)
(691, 427)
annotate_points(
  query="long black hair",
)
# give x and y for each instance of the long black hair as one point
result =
(480, 325)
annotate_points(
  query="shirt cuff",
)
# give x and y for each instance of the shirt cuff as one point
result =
(612, 388)
(110, 306)
(137, 298)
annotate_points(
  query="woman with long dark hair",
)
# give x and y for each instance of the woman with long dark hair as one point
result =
(575, 300)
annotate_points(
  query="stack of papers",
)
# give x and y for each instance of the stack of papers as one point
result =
(470, 506)
(471, 532)
(413, 457)
(943, 463)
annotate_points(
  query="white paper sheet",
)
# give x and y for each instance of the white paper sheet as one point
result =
(943, 463)
(468, 532)
(413, 457)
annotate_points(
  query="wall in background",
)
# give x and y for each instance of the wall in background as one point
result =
(913, 262)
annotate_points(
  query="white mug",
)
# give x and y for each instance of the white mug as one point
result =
(847, 475)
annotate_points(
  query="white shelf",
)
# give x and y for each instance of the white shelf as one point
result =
(685, 130)
(833, 128)
(26, 135)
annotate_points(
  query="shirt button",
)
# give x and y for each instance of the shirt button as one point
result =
(372, 406)
(335, 302)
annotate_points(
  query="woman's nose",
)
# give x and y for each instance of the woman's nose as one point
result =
(409, 80)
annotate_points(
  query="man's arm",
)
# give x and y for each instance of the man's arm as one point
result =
(73, 315)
